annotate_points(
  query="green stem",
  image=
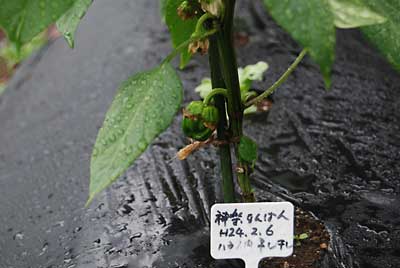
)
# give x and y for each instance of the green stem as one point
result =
(235, 108)
(215, 92)
(184, 44)
(229, 69)
(200, 22)
(224, 150)
(279, 82)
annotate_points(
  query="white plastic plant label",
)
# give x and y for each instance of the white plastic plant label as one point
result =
(252, 231)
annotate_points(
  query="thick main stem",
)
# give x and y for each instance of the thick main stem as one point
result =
(235, 108)
(224, 150)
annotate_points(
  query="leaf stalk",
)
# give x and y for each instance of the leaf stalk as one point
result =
(215, 92)
(279, 82)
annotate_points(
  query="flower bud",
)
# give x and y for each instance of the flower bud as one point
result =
(210, 115)
(214, 7)
(195, 129)
(187, 10)
(200, 46)
(193, 125)
(195, 108)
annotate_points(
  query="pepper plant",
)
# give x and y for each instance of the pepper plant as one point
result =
(146, 103)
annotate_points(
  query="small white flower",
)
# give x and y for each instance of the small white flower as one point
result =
(214, 7)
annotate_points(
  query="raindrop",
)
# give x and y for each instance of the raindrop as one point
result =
(77, 229)
(131, 199)
(119, 265)
(44, 248)
(129, 105)
(95, 152)
(113, 138)
(59, 224)
(128, 150)
(120, 132)
(69, 38)
(18, 236)
(99, 207)
(142, 145)
(125, 210)
(134, 236)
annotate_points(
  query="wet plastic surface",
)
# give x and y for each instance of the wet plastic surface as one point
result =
(334, 153)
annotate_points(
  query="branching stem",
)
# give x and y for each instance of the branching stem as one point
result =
(200, 23)
(279, 82)
(215, 92)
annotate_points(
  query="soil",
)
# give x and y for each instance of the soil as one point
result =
(308, 252)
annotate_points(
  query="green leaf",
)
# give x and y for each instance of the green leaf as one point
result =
(247, 149)
(386, 36)
(353, 14)
(163, 7)
(24, 19)
(143, 108)
(69, 22)
(311, 23)
(14, 56)
(181, 30)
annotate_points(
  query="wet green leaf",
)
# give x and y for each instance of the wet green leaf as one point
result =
(353, 14)
(386, 36)
(181, 30)
(24, 19)
(311, 23)
(163, 7)
(69, 22)
(143, 108)
(13, 56)
(247, 149)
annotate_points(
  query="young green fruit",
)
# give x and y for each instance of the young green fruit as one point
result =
(195, 108)
(210, 115)
(199, 120)
(195, 129)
